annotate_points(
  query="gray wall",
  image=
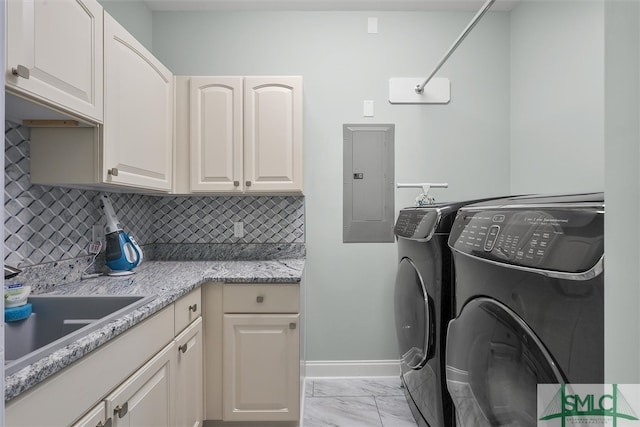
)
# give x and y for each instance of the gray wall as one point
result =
(523, 83)
(135, 16)
(557, 97)
(466, 143)
(622, 114)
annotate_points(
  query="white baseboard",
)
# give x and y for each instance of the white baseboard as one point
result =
(352, 368)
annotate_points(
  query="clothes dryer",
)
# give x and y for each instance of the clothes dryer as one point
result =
(423, 308)
(529, 295)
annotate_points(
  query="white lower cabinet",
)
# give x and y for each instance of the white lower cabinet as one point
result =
(97, 417)
(167, 390)
(261, 362)
(146, 398)
(154, 374)
(252, 353)
(67, 396)
(189, 378)
(150, 377)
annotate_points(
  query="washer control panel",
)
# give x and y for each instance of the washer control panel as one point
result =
(492, 236)
(554, 239)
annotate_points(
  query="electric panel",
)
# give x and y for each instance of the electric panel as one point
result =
(368, 179)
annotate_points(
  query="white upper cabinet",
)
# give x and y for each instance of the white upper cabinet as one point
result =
(238, 134)
(54, 54)
(138, 131)
(216, 133)
(134, 147)
(273, 134)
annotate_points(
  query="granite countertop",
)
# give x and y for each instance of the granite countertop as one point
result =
(168, 281)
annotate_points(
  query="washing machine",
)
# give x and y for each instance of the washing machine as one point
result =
(423, 308)
(529, 297)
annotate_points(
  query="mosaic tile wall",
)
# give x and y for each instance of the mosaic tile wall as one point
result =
(48, 224)
(266, 219)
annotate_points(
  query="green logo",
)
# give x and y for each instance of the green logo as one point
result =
(592, 406)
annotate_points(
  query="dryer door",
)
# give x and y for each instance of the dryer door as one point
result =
(413, 320)
(494, 363)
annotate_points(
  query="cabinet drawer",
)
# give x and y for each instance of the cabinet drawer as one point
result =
(261, 298)
(187, 309)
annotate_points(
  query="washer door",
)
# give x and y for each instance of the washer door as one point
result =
(413, 320)
(494, 363)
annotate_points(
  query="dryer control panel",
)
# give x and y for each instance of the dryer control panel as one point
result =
(551, 239)
(417, 224)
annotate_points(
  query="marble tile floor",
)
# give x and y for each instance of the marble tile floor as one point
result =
(356, 402)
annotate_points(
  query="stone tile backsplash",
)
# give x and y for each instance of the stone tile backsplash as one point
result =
(210, 219)
(49, 224)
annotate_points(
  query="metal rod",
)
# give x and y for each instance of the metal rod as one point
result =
(454, 46)
(423, 184)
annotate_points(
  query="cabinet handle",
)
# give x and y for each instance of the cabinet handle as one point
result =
(21, 71)
(260, 299)
(182, 348)
(107, 423)
(292, 325)
(193, 307)
(121, 410)
(236, 183)
(247, 183)
(112, 171)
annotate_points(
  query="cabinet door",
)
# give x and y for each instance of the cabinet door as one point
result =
(60, 43)
(138, 131)
(189, 382)
(261, 367)
(273, 134)
(216, 134)
(146, 398)
(94, 418)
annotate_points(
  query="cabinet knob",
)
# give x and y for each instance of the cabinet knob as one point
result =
(247, 183)
(292, 325)
(121, 411)
(182, 348)
(193, 307)
(260, 299)
(21, 71)
(236, 183)
(112, 171)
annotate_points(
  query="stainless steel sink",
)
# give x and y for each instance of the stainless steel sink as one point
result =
(57, 321)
